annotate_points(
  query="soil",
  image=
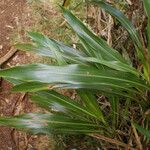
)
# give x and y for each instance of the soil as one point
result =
(11, 13)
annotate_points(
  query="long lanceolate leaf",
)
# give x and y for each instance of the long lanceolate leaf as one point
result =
(41, 50)
(46, 42)
(106, 90)
(69, 54)
(147, 9)
(94, 46)
(90, 102)
(52, 100)
(76, 76)
(112, 64)
(49, 48)
(50, 123)
(125, 23)
(29, 86)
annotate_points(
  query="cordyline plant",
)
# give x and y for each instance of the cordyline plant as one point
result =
(97, 69)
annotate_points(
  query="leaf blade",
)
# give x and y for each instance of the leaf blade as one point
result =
(91, 103)
(49, 123)
(147, 10)
(123, 20)
(77, 76)
(56, 101)
(99, 47)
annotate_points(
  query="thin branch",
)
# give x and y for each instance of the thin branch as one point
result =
(137, 138)
(112, 141)
(7, 56)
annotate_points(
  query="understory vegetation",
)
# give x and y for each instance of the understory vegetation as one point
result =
(110, 99)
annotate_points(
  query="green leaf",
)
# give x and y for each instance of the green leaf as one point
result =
(30, 87)
(52, 100)
(142, 130)
(49, 123)
(21, 87)
(90, 102)
(94, 46)
(114, 101)
(51, 48)
(76, 76)
(147, 6)
(124, 21)
(14, 81)
(72, 55)
(46, 42)
(147, 10)
(113, 64)
(46, 51)
(69, 50)
(41, 50)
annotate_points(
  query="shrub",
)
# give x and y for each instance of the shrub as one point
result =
(97, 69)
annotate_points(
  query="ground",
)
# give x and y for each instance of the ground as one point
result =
(12, 15)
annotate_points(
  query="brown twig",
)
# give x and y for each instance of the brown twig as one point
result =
(6, 57)
(63, 23)
(130, 139)
(18, 107)
(112, 141)
(129, 2)
(137, 138)
(110, 26)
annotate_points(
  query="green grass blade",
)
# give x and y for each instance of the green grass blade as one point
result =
(114, 101)
(147, 10)
(71, 55)
(77, 76)
(14, 81)
(113, 64)
(30, 87)
(51, 48)
(21, 86)
(46, 42)
(147, 6)
(94, 46)
(41, 50)
(49, 123)
(90, 102)
(61, 103)
(125, 23)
